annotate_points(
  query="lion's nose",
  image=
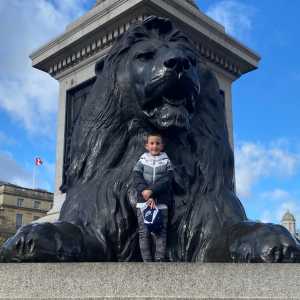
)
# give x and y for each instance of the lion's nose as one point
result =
(177, 64)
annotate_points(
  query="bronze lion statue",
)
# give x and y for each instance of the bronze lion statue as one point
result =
(152, 79)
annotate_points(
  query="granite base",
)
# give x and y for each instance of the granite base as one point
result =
(149, 281)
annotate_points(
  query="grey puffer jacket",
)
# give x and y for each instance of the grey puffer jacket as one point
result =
(156, 174)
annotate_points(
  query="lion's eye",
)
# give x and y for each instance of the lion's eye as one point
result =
(145, 55)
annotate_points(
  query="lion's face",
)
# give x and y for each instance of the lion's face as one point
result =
(165, 80)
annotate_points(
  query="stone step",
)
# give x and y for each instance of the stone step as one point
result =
(149, 281)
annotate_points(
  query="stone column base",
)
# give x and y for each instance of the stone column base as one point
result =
(51, 217)
(53, 214)
(149, 281)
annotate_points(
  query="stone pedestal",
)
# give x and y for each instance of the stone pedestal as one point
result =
(149, 281)
(71, 57)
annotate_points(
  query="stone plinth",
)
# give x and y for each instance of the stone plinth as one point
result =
(149, 281)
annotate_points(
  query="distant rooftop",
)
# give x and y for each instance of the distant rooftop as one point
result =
(288, 216)
(4, 183)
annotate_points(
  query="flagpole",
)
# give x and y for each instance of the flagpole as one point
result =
(33, 176)
(37, 162)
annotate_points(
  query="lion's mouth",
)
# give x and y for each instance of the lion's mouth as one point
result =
(186, 103)
(170, 102)
(169, 112)
(175, 102)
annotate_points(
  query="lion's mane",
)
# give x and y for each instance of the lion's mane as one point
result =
(106, 143)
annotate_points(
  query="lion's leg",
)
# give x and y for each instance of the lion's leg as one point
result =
(253, 242)
(59, 241)
(259, 242)
(203, 229)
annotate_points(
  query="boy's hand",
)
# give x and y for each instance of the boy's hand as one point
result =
(151, 203)
(146, 194)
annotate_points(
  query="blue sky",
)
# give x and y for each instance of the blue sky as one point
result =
(265, 102)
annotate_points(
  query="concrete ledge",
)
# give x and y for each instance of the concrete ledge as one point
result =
(149, 281)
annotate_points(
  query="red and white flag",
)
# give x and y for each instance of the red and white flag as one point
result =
(38, 161)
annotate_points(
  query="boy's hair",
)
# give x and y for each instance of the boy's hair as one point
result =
(154, 134)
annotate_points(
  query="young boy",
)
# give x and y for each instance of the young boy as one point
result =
(152, 179)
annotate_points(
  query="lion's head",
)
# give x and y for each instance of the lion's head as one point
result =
(160, 66)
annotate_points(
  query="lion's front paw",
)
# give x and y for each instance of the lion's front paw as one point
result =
(43, 242)
(258, 242)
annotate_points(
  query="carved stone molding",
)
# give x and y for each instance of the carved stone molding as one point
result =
(192, 2)
(105, 41)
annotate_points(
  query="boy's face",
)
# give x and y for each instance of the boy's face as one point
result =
(154, 145)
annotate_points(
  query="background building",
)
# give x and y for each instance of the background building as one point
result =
(289, 222)
(20, 206)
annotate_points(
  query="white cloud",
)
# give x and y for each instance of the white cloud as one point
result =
(31, 100)
(12, 172)
(255, 161)
(276, 194)
(235, 16)
(30, 96)
(276, 214)
(266, 217)
(280, 201)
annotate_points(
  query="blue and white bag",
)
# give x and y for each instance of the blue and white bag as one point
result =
(152, 218)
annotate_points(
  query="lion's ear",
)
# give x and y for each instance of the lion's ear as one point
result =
(99, 66)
